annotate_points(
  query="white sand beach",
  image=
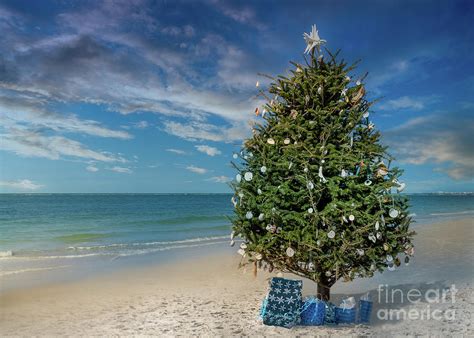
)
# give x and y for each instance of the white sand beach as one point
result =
(210, 296)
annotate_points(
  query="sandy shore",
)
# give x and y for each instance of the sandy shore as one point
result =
(211, 297)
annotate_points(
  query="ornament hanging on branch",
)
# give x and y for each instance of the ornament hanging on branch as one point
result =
(320, 174)
(290, 252)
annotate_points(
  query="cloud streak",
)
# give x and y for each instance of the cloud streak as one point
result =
(29, 143)
(21, 185)
(211, 151)
(121, 170)
(197, 170)
(445, 139)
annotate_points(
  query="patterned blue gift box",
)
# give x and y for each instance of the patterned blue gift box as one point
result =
(283, 303)
(365, 311)
(313, 311)
(330, 315)
(345, 316)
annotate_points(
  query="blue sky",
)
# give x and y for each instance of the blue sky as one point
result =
(154, 96)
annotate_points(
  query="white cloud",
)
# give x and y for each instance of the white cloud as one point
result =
(444, 139)
(21, 185)
(29, 111)
(33, 144)
(404, 102)
(92, 168)
(141, 124)
(211, 151)
(197, 170)
(176, 151)
(242, 14)
(203, 131)
(121, 170)
(219, 179)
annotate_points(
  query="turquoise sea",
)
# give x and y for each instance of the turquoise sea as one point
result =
(43, 231)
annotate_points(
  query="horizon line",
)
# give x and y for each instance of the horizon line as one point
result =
(199, 193)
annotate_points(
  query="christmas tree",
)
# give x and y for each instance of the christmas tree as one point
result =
(315, 194)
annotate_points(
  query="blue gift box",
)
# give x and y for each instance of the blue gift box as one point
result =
(365, 311)
(313, 311)
(345, 316)
(282, 306)
(330, 315)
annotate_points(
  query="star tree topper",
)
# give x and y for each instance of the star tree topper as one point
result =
(313, 40)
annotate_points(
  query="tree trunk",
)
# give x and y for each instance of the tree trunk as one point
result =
(324, 292)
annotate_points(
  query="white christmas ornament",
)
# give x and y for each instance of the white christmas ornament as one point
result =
(305, 170)
(401, 187)
(328, 273)
(259, 191)
(312, 40)
(290, 252)
(360, 252)
(248, 176)
(379, 235)
(331, 234)
(343, 173)
(235, 156)
(320, 90)
(310, 210)
(286, 141)
(261, 217)
(238, 178)
(249, 215)
(271, 141)
(241, 194)
(377, 225)
(351, 217)
(263, 169)
(310, 185)
(372, 238)
(366, 115)
(321, 176)
(368, 182)
(358, 83)
(393, 213)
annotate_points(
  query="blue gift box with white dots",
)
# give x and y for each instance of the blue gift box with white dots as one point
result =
(283, 303)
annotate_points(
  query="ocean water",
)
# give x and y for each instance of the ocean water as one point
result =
(39, 232)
